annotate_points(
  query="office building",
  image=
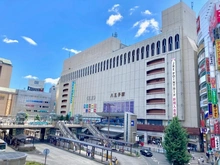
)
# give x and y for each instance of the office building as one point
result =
(5, 72)
(156, 79)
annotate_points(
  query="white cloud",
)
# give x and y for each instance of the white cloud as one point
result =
(144, 24)
(136, 23)
(147, 12)
(133, 9)
(30, 77)
(114, 17)
(71, 50)
(114, 8)
(29, 40)
(52, 81)
(9, 41)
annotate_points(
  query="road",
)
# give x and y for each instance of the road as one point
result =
(59, 156)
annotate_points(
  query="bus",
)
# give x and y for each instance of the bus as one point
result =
(3, 145)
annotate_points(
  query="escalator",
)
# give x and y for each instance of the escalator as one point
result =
(65, 131)
(95, 132)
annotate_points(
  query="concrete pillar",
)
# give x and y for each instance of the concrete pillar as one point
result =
(42, 134)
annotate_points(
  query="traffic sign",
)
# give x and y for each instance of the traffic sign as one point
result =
(46, 151)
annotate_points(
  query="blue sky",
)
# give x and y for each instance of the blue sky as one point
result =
(38, 35)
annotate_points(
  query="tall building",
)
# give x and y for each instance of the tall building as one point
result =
(5, 72)
(156, 79)
(208, 30)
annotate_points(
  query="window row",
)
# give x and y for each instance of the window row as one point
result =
(126, 58)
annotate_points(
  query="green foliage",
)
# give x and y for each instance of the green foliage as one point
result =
(175, 143)
(26, 116)
(37, 118)
(67, 117)
(61, 117)
(32, 163)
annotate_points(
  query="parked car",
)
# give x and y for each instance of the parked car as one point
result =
(145, 152)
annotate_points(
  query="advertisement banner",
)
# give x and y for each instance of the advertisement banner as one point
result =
(207, 65)
(210, 109)
(173, 83)
(212, 142)
(198, 24)
(216, 127)
(209, 92)
(215, 111)
(217, 44)
(214, 96)
(217, 145)
(213, 82)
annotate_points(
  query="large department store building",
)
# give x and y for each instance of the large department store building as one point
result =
(156, 79)
(208, 30)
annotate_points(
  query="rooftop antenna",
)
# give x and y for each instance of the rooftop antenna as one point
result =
(192, 5)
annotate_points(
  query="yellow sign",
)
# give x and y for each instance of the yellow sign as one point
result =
(217, 43)
(215, 110)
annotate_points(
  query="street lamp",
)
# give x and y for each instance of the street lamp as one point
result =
(108, 109)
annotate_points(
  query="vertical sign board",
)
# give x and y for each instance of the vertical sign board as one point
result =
(216, 127)
(215, 111)
(217, 45)
(174, 98)
(210, 109)
(212, 141)
(217, 145)
(72, 97)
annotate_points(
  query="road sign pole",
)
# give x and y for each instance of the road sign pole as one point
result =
(45, 159)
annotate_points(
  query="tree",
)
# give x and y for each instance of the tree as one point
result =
(26, 116)
(61, 117)
(175, 143)
(67, 117)
(37, 118)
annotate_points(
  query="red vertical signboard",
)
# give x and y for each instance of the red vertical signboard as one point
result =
(216, 128)
(212, 142)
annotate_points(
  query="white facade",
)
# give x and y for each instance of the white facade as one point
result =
(102, 74)
(33, 103)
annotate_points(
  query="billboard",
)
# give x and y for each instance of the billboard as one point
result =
(119, 107)
(217, 47)
(215, 19)
(174, 99)
(35, 85)
(72, 97)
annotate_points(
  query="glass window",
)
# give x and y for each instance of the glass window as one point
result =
(137, 54)
(121, 57)
(133, 55)
(104, 66)
(177, 40)
(107, 64)
(142, 53)
(129, 57)
(170, 44)
(117, 61)
(91, 69)
(125, 58)
(158, 47)
(147, 51)
(110, 66)
(113, 62)
(95, 68)
(164, 43)
(101, 67)
(98, 66)
(152, 49)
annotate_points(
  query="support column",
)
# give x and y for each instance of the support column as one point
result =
(42, 134)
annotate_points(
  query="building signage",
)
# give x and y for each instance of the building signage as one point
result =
(217, 145)
(132, 123)
(215, 110)
(214, 96)
(203, 130)
(216, 127)
(118, 94)
(209, 93)
(215, 19)
(217, 44)
(207, 64)
(174, 98)
(90, 98)
(212, 142)
(213, 82)
(72, 97)
(210, 109)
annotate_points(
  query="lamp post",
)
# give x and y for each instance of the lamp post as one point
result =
(108, 109)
